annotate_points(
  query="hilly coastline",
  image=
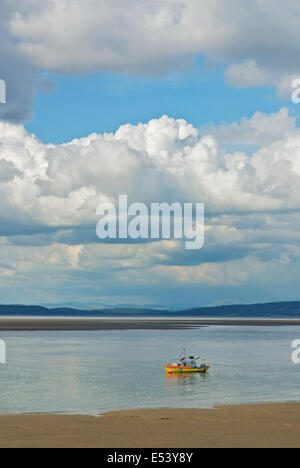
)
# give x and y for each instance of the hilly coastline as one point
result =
(271, 310)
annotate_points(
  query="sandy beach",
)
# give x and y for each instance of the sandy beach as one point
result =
(71, 324)
(266, 425)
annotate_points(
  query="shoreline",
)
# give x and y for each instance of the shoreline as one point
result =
(254, 425)
(92, 324)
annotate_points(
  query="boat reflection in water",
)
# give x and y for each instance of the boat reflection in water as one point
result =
(186, 384)
(185, 379)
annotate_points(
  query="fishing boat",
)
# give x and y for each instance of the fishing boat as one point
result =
(187, 365)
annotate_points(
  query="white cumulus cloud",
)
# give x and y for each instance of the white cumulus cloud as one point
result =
(258, 44)
(164, 159)
(49, 195)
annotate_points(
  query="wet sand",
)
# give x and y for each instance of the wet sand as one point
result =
(267, 425)
(69, 324)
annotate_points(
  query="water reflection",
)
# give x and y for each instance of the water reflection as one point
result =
(186, 387)
(174, 381)
(94, 372)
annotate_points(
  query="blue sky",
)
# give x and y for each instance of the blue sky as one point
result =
(180, 100)
(102, 102)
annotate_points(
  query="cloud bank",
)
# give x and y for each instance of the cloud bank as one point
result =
(50, 193)
(247, 172)
(164, 159)
(257, 45)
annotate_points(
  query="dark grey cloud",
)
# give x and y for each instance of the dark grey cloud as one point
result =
(19, 74)
(8, 171)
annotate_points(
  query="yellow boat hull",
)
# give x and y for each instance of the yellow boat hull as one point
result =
(186, 370)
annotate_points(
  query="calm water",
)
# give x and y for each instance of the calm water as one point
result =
(92, 372)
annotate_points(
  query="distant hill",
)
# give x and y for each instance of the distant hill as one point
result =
(276, 309)
(272, 309)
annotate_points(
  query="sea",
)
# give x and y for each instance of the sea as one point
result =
(93, 372)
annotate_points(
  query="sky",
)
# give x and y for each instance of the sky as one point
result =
(163, 100)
